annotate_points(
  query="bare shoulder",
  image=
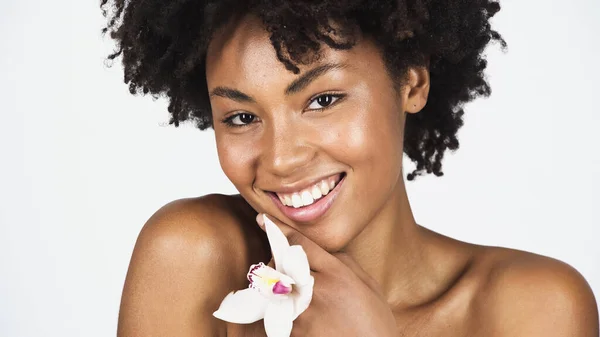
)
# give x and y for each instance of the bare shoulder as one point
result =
(524, 294)
(188, 256)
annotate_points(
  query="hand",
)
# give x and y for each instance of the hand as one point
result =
(346, 300)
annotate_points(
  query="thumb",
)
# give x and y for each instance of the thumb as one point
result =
(318, 258)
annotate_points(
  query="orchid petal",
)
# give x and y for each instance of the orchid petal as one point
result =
(278, 318)
(302, 297)
(296, 265)
(242, 307)
(286, 279)
(278, 241)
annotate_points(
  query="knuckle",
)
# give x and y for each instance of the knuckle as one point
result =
(294, 238)
(340, 256)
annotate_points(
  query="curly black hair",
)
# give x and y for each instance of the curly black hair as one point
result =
(163, 47)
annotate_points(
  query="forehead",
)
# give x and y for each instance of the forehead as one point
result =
(242, 51)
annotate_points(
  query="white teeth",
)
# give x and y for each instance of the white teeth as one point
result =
(307, 198)
(288, 200)
(296, 200)
(316, 192)
(324, 187)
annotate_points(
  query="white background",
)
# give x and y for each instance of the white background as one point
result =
(83, 164)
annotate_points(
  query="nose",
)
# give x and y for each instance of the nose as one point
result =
(287, 150)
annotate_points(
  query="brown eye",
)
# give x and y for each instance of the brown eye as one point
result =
(246, 118)
(324, 101)
(240, 119)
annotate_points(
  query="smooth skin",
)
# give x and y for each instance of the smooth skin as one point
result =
(377, 272)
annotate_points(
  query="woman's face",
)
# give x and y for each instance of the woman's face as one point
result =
(290, 136)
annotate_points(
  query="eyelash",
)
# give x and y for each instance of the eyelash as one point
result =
(229, 120)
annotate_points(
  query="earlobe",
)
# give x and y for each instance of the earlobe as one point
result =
(416, 89)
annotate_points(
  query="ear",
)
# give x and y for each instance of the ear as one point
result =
(415, 91)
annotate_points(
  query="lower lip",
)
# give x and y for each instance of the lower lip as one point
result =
(312, 211)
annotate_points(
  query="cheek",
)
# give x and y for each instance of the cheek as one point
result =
(373, 149)
(369, 138)
(236, 160)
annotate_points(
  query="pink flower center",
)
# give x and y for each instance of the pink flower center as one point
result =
(281, 289)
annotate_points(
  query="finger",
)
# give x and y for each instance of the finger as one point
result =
(360, 272)
(319, 259)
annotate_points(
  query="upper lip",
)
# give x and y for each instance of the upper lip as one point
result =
(302, 184)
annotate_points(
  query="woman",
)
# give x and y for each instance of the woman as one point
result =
(313, 104)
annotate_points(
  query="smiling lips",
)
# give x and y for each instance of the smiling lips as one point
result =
(310, 203)
(309, 195)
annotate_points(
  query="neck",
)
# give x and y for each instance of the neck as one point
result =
(407, 261)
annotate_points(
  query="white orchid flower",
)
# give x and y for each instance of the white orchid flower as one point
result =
(277, 295)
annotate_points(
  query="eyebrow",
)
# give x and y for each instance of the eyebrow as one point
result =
(296, 86)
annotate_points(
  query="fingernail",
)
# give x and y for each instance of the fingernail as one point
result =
(260, 221)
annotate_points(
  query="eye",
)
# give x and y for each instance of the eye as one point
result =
(239, 119)
(324, 101)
